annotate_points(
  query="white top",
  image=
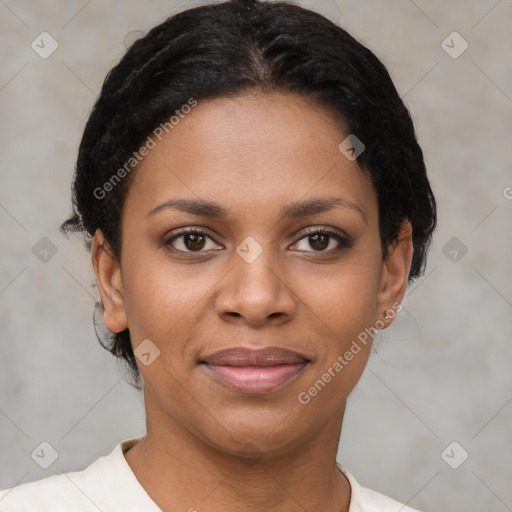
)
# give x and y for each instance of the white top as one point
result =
(109, 485)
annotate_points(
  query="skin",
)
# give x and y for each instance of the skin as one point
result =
(252, 154)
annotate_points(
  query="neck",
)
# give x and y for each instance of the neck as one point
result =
(181, 470)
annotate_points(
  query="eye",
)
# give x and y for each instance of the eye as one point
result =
(320, 239)
(190, 240)
(194, 240)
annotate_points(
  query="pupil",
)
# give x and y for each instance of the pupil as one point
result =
(315, 243)
(193, 238)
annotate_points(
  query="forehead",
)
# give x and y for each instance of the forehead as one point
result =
(252, 150)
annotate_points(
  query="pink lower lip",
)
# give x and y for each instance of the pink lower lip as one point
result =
(256, 379)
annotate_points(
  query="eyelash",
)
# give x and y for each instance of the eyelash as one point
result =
(343, 241)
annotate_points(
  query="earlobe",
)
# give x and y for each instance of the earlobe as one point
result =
(108, 275)
(395, 273)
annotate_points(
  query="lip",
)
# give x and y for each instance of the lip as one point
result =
(255, 371)
(249, 356)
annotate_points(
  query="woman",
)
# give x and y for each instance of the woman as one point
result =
(255, 201)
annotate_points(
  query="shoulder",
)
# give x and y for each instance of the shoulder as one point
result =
(52, 493)
(83, 490)
(367, 500)
(382, 503)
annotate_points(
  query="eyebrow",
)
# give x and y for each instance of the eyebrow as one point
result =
(203, 208)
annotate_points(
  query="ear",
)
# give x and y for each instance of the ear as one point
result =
(395, 273)
(108, 275)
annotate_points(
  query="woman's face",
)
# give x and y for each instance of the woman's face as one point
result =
(256, 276)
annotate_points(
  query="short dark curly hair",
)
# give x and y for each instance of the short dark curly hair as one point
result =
(225, 49)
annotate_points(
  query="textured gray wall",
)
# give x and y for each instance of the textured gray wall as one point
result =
(440, 374)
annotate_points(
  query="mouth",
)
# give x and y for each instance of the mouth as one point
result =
(255, 371)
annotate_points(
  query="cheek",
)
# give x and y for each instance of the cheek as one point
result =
(345, 298)
(343, 312)
(146, 290)
(163, 302)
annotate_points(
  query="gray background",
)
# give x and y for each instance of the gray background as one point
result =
(440, 374)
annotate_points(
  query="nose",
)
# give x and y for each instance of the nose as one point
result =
(256, 292)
